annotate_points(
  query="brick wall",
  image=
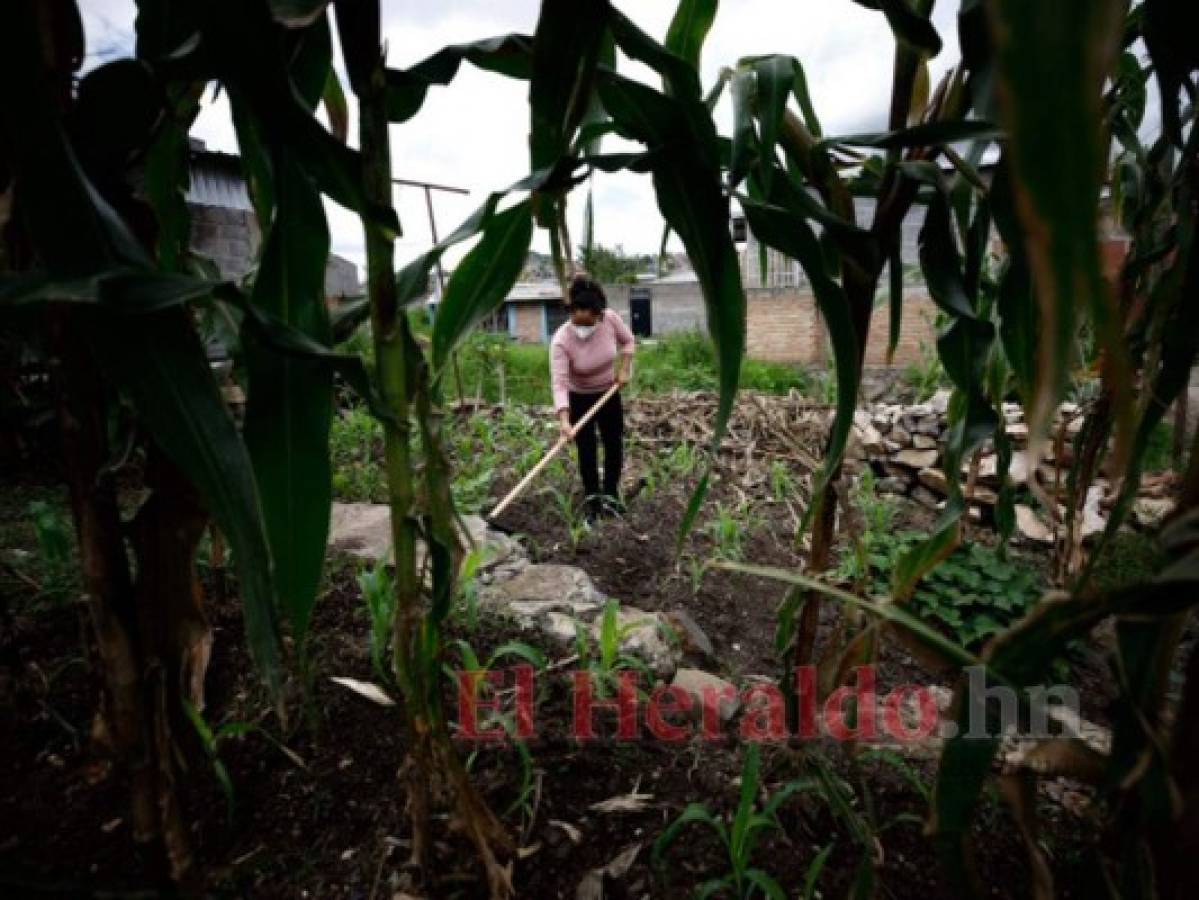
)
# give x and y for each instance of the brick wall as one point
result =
(918, 331)
(782, 326)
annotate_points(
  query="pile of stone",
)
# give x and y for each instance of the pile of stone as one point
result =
(553, 606)
(905, 445)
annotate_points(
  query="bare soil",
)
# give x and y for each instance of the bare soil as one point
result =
(336, 825)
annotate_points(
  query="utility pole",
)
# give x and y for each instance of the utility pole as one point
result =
(429, 188)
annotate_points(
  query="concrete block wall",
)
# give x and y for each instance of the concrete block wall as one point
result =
(675, 306)
(227, 236)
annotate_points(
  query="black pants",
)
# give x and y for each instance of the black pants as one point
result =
(610, 420)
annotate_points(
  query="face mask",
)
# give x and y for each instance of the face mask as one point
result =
(583, 331)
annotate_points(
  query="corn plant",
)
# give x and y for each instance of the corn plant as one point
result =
(604, 667)
(782, 482)
(378, 593)
(750, 822)
(54, 546)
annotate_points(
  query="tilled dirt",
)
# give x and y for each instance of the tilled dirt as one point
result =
(336, 826)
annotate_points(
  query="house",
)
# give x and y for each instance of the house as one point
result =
(533, 311)
(225, 228)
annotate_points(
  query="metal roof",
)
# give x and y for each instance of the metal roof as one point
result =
(531, 291)
(216, 180)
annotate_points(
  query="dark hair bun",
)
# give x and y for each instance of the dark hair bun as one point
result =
(586, 293)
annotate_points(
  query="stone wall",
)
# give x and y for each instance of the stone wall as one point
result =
(905, 446)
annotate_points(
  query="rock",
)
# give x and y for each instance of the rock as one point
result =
(916, 459)
(497, 546)
(1093, 522)
(924, 442)
(874, 390)
(1018, 469)
(1148, 512)
(983, 494)
(891, 485)
(697, 682)
(934, 479)
(893, 446)
(929, 425)
(361, 530)
(940, 401)
(988, 466)
(1017, 431)
(900, 435)
(695, 641)
(643, 636)
(540, 589)
(1030, 526)
(925, 497)
(869, 439)
(558, 627)
(1022, 753)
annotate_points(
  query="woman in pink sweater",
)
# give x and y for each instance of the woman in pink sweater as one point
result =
(587, 355)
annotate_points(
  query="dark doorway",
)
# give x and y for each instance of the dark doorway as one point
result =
(555, 315)
(641, 320)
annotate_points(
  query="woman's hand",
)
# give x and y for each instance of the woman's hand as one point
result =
(564, 426)
(622, 378)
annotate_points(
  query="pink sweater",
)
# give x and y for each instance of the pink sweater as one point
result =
(586, 366)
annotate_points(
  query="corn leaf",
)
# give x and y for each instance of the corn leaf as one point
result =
(290, 399)
(686, 176)
(158, 362)
(1053, 59)
(509, 54)
(907, 25)
(689, 28)
(482, 279)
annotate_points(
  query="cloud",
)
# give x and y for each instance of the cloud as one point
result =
(474, 133)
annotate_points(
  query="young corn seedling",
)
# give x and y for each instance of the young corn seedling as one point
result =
(740, 838)
(53, 534)
(211, 741)
(728, 532)
(468, 588)
(576, 526)
(782, 482)
(378, 593)
(505, 719)
(605, 666)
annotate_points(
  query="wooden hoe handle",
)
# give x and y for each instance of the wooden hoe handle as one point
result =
(554, 451)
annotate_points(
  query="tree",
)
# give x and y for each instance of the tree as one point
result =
(610, 265)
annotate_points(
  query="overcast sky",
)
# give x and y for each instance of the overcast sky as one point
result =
(473, 134)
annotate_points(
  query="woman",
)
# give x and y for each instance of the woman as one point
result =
(589, 353)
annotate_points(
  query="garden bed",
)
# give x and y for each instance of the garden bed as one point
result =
(326, 816)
